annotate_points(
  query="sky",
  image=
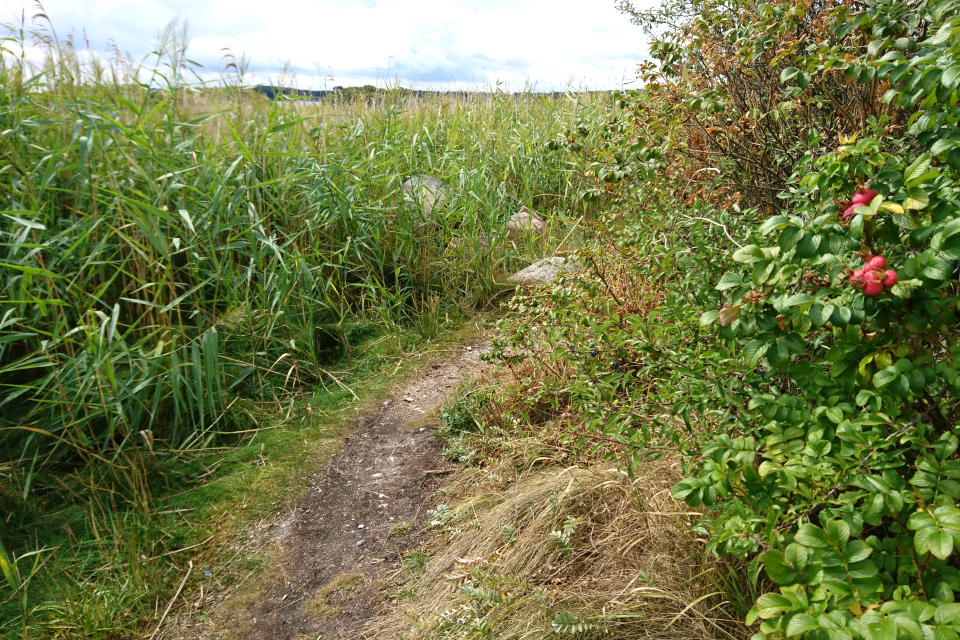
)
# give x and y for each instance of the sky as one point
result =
(422, 44)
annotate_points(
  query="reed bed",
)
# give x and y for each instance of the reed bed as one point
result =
(173, 252)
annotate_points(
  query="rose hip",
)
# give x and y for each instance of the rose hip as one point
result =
(864, 197)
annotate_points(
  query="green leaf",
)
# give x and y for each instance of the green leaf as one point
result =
(788, 74)
(779, 572)
(918, 168)
(797, 299)
(884, 377)
(771, 224)
(30, 224)
(951, 77)
(729, 280)
(938, 269)
(940, 544)
(801, 623)
(31, 270)
(810, 535)
(943, 145)
(770, 604)
(917, 199)
(947, 613)
(709, 317)
(754, 350)
(748, 254)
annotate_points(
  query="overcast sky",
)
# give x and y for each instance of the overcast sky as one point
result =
(423, 43)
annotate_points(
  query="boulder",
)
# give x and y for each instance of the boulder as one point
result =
(524, 223)
(541, 272)
(427, 191)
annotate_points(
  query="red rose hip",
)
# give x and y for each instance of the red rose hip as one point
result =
(890, 278)
(877, 262)
(864, 197)
(873, 288)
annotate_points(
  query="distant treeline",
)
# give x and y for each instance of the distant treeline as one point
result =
(369, 91)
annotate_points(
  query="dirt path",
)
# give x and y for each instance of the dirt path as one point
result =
(337, 550)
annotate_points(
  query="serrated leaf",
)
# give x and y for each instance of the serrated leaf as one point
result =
(874, 47)
(856, 551)
(801, 623)
(918, 168)
(729, 314)
(884, 377)
(748, 254)
(770, 604)
(754, 350)
(938, 269)
(709, 317)
(940, 544)
(788, 74)
(810, 535)
(951, 77)
(917, 199)
(797, 299)
(892, 207)
(729, 280)
(771, 224)
(943, 145)
(947, 613)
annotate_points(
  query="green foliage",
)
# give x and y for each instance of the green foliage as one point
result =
(817, 424)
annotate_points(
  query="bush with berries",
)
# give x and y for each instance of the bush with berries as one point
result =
(806, 199)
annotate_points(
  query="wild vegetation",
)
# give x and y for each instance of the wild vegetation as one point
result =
(770, 302)
(774, 302)
(185, 261)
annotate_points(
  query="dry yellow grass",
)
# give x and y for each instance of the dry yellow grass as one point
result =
(585, 551)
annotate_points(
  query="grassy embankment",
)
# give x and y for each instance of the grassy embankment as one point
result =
(195, 277)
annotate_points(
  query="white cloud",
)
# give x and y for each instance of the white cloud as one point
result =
(424, 43)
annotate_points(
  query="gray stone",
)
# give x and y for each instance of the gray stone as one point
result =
(525, 222)
(426, 191)
(541, 272)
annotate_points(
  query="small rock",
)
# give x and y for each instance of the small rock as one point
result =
(207, 573)
(377, 475)
(408, 399)
(525, 222)
(360, 543)
(361, 526)
(541, 272)
(426, 190)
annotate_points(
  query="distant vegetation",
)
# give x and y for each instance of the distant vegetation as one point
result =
(370, 92)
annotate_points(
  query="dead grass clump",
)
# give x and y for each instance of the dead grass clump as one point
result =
(588, 552)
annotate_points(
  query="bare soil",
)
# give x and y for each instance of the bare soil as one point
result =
(335, 559)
